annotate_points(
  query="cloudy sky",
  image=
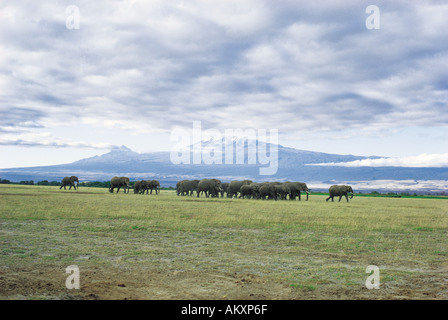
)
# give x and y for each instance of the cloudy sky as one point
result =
(79, 77)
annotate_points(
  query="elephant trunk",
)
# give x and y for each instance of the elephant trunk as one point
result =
(351, 197)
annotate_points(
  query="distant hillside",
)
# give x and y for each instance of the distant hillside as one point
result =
(292, 163)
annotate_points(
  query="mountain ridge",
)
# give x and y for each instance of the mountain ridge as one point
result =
(292, 165)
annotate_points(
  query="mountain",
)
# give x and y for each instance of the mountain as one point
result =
(291, 166)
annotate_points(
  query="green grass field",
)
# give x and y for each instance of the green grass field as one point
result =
(309, 246)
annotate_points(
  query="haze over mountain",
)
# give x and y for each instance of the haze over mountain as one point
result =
(293, 165)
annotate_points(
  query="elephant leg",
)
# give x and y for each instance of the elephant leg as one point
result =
(346, 197)
(299, 197)
(340, 197)
(118, 189)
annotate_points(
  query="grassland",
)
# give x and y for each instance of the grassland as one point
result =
(170, 247)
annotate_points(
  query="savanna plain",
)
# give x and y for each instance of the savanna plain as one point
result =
(134, 246)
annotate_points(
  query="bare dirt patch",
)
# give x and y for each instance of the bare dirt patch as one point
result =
(119, 284)
(137, 284)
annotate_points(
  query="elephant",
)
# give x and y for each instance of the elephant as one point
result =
(210, 187)
(256, 189)
(178, 187)
(217, 191)
(118, 182)
(249, 190)
(268, 189)
(293, 189)
(70, 181)
(340, 190)
(137, 187)
(145, 185)
(280, 191)
(150, 185)
(188, 187)
(235, 186)
(225, 189)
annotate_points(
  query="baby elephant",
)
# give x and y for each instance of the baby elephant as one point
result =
(340, 190)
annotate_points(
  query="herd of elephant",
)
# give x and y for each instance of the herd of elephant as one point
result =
(140, 186)
(248, 189)
(245, 189)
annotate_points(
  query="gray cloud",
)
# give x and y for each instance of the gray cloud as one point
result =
(45, 139)
(20, 117)
(292, 65)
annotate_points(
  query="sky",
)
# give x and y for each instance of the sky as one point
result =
(78, 78)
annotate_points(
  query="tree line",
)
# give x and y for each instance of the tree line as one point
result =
(90, 184)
